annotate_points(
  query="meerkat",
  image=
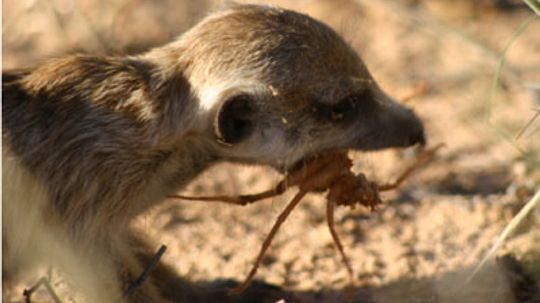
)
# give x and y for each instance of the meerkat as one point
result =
(91, 142)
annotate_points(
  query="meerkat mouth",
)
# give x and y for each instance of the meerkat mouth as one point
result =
(299, 164)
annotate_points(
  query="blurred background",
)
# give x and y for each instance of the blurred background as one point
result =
(441, 57)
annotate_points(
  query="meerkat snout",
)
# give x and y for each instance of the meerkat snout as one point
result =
(399, 127)
(417, 135)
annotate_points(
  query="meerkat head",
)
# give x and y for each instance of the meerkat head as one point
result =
(274, 86)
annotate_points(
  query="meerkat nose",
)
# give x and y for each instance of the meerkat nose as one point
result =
(414, 127)
(409, 129)
(418, 137)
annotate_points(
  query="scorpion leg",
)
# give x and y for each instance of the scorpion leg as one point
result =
(268, 240)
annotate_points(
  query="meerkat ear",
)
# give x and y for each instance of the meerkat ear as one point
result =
(234, 121)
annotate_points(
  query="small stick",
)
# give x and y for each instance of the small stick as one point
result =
(146, 273)
(282, 217)
(27, 292)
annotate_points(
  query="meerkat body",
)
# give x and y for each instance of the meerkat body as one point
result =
(92, 142)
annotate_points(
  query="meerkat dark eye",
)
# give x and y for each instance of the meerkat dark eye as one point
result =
(349, 106)
(234, 121)
(343, 109)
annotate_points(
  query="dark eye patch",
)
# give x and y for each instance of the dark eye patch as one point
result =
(235, 120)
(344, 108)
(348, 108)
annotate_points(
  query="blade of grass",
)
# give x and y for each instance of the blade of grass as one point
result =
(531, 121)
(534, 5)
(502, 61)
(514, 223)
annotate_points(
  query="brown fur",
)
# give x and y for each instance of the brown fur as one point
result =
(99, 140)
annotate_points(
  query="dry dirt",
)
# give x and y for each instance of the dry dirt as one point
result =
(422, 244)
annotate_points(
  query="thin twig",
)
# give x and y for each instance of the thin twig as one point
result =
(27, 293)
(146, 273)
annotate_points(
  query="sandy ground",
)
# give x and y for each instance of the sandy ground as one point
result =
(422, 244)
